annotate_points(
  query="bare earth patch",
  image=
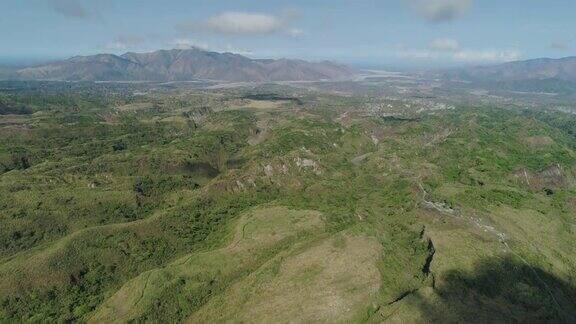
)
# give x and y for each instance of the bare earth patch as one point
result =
(136, 106)
(539, 141)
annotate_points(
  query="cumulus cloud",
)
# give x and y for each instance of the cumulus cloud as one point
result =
(238, 23)
(295, 32)
(448, 51)
(69, 8)
(487, 56)
(440, 10)
(444, 45)
(245, 23)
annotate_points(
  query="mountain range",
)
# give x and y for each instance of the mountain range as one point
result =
(182, 65)
(542, 75)
(563, 69)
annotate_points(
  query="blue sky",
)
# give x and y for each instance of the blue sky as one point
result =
(366, 32)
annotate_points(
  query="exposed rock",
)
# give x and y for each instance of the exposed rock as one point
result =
(439, 207)
(269, 170)
(361, 158)
(308, 164)
(305, 163)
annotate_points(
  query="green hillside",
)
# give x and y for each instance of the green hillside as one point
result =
(129, 203)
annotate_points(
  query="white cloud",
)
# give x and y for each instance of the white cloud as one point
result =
(238, 23)
(232, 49)
(295, 32)
(444, 45)
(246, 23)
(440, 10)
(448, 51)
(487, 56)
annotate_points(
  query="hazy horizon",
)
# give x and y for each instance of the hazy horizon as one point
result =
(401, 33)
(16, 62)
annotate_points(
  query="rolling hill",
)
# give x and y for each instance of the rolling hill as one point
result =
(269, 204)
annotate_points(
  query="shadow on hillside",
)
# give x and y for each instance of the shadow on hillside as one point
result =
(501, 290)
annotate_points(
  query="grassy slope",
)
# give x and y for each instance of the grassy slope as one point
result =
(148, 230)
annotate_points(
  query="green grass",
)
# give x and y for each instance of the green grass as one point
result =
(136, 214)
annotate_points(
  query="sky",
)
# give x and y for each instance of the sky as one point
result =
(378, 33)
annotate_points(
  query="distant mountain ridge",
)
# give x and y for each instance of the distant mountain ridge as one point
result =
(563, 69)
(183, 65)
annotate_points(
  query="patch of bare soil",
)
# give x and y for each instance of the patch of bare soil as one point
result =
(550, 178)
(539, 141)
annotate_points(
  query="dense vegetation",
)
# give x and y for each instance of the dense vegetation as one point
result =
(135, 202)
